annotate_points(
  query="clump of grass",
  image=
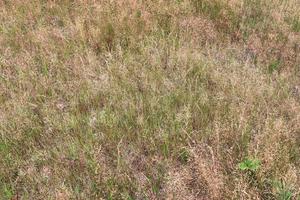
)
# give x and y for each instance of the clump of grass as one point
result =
(283, 192)
(211, 8)
(296, 24)
(183, 156)
(224, 18)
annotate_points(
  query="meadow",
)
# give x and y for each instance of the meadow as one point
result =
(150, 99)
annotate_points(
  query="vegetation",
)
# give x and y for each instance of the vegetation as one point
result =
(150, 99)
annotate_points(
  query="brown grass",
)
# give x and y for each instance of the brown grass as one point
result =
(149, 100)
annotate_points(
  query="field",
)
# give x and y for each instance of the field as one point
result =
(150, 99)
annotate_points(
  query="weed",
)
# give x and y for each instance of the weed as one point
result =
(249, 165)
(283, 192)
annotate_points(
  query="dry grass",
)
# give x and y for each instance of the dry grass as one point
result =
(149, 100)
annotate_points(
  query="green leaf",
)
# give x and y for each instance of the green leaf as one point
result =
(243, 166)
(249, 164)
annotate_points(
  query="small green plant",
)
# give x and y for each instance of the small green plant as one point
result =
(7, 192)
(283, 191)
(274, 66)
(183, 156)
(249, 165)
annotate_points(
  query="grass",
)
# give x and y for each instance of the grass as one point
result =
(149, 100)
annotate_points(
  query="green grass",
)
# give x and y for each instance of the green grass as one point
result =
(283, 191)
(131, 100)
(296, 25)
